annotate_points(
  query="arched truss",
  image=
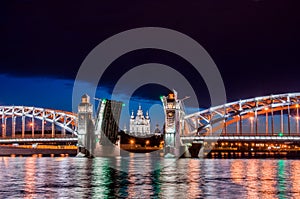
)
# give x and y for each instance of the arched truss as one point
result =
(215, 118)
(63, 119)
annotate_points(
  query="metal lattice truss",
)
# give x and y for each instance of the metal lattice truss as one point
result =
(215, 118)
(65, 120)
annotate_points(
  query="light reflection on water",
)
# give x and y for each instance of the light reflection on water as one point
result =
(186, 178)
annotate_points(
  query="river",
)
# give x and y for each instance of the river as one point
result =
(134, 177)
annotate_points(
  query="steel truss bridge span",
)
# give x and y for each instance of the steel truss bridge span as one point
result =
(65, 120)
(284, 106)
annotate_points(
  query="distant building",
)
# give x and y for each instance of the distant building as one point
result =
(157, 131)
(139, 125)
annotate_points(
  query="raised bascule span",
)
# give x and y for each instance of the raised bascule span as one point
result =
(273, 118)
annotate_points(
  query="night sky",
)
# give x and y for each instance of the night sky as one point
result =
(255, 45)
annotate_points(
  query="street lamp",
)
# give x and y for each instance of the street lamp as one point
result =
(147, 142)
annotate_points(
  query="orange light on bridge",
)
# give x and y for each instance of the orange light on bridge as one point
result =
(30, 124)
(171, 96)
(251, 118)
(131, 141)
(297, 105)
(266, 108)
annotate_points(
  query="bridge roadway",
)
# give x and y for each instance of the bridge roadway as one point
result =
(264, 138)
(7, 147)
(24, 150)
(47, 145)
(38, 139)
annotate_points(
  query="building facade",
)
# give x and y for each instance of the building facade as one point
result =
(139, 125)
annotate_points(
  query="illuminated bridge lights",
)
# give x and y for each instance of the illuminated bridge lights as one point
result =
(243, 138)
(63, 119)
(275, 117)
(37, 140)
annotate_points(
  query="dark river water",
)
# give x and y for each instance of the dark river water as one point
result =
(134, 177)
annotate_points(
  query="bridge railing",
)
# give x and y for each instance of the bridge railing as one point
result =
(39, 136)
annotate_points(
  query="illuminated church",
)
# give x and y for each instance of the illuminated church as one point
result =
(139, 125)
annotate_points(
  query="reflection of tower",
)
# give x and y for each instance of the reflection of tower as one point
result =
(85, 124)
(139, 125)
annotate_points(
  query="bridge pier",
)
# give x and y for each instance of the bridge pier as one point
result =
(170, 149)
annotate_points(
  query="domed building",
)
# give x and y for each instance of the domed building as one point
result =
(139, 124)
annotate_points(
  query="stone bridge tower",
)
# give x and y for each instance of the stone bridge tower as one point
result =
(174, 125)
(85, 126)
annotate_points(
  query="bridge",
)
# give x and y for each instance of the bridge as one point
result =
(266, 119)
(35, 120)
(27, 125)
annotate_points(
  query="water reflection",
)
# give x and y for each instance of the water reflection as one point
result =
(295, 178)
(185, 178)
(193, 179)
(252, 180)
(268, 179)
(30, 180)
(237, 170)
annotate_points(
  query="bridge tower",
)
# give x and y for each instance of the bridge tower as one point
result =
(174, 125)
(85, 126)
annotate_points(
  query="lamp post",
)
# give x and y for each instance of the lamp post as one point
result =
(131, 143)
(147, 143)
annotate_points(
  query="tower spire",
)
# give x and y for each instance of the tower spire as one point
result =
(132, 116)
